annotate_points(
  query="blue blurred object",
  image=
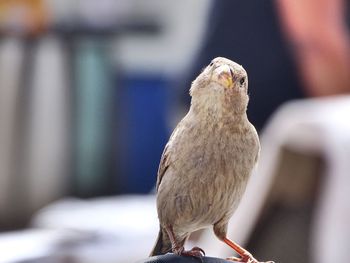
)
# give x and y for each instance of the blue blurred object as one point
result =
(143, 110)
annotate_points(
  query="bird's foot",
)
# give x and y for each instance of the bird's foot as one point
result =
(196, 252)
(246, 258)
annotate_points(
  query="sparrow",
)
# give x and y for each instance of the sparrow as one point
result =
(206, 164)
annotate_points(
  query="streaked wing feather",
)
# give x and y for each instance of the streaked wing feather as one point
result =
(163, 165)
(165, 159)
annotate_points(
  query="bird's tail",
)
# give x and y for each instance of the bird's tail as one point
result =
(162, 245)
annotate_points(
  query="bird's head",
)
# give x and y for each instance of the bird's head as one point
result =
(221, 87)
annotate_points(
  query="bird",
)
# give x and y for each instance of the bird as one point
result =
(205, 166)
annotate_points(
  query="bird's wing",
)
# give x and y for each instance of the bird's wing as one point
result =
(165, 159)
(163, 165)
(257, 141)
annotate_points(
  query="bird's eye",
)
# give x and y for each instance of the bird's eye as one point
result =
(211, 64)
(242, 80)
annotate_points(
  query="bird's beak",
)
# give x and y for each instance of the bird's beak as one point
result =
(224, 76)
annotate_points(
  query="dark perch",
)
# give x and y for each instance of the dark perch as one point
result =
(172, 258)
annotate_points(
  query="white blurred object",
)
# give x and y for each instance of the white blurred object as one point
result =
(183, 25)
(85, 13)
(319, 126)
(36, 245)
(46, 146)
(104, 13)
(117, 223)
(11, 59)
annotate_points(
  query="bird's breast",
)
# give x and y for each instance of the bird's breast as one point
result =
(213, 165)
(209, 169)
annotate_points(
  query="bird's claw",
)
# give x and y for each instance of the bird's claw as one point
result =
(235, 259)
(199, 249)
(246, 258)
(196, 252)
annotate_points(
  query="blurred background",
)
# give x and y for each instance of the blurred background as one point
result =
(91, 90)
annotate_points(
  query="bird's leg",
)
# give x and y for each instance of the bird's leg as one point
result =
(175, 246)
(245, 255)
(220, 230)
(178, 247)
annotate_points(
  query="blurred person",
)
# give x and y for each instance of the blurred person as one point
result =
(319, 36)
(249, 33)
(291, 49)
